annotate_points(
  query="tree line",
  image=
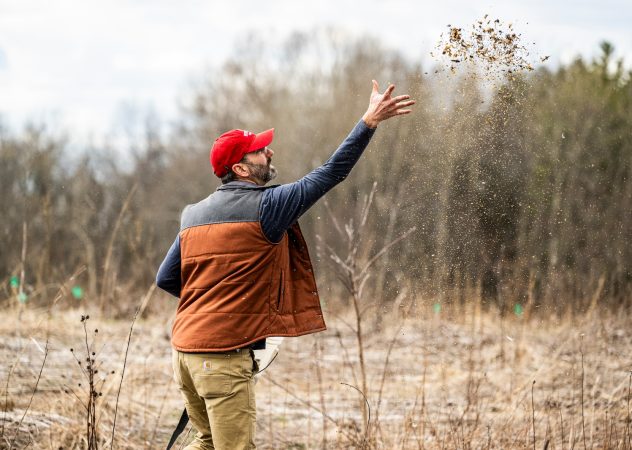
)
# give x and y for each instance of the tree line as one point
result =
(519, 191)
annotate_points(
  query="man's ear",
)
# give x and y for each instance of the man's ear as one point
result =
(240, 170)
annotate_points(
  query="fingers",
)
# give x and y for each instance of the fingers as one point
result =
(397, 112)
(398, 109)
(399, 98)
(400, 112)
(387, 92)
(398, 102)
(395, 105)
(405, 104)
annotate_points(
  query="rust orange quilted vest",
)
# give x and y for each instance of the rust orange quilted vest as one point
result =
(237, 287)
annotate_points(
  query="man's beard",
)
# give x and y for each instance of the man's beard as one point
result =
(263, 172)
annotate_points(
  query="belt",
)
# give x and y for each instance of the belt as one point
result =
(231, 352)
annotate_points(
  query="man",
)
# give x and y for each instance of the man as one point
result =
(242, 272)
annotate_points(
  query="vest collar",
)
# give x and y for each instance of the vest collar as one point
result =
(236, 185)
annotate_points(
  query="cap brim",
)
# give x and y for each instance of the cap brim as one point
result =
(262, 139)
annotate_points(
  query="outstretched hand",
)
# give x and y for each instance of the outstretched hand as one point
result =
(383, 106)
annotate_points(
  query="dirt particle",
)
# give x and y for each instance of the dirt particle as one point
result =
(491, 44)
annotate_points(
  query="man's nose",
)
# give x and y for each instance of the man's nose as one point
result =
(269, 152)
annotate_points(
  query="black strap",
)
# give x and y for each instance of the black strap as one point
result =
(184, 419)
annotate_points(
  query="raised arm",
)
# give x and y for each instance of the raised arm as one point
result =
(283, 205)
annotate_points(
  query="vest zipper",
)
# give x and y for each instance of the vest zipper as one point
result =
(281, 291)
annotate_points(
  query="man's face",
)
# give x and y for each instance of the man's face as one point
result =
(259, 164)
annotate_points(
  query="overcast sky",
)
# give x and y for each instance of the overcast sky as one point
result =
(78, 63)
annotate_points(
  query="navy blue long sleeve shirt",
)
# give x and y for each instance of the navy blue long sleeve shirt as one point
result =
(281, 206)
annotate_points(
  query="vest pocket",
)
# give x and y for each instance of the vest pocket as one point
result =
(281, 291)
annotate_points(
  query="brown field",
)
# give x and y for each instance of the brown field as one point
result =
(459, 379)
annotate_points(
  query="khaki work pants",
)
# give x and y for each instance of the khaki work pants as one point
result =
(218, 391)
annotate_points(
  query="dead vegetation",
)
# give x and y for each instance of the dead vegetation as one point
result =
(464, 377)
(521, 202)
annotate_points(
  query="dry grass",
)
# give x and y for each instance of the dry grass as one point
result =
(462, 378)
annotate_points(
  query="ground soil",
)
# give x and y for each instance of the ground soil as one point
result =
(459, 378)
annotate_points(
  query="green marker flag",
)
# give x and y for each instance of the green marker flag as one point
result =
(518, 309)
(15, 282)
(77, 292)
(436, 308)
(22, 297)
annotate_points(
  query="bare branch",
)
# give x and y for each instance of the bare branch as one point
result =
(385, 249)
(362, 283)
(39, 376)
(333, 218)
(129, 338)
(367, 405)
(367, 206)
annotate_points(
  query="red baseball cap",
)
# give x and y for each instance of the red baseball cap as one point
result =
(231, 147)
